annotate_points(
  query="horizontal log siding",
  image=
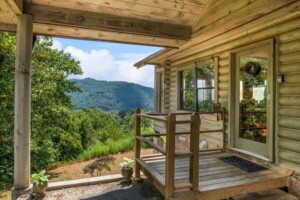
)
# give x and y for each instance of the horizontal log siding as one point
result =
(289, 99)
(288, 34)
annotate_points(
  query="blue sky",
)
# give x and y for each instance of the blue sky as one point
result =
(109, 61)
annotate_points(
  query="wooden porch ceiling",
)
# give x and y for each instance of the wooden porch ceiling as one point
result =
(226, 20)
(166, 23)
(180, 25)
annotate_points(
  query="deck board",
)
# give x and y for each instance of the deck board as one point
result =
(216, 175)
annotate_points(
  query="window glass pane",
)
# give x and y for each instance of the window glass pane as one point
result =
(188, 90)
(206, 100)
(188, 79)
(205, 88)
(253, 76)
(189, 99)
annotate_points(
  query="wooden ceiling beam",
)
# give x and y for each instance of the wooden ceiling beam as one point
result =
(16, 6)
(97, 21)
(87, 34)
(8, 27)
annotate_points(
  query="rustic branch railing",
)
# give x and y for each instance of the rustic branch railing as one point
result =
(168, 186)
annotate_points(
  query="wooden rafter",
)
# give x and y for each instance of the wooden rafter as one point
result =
(97, 21)
(284, 10)
(15, 5)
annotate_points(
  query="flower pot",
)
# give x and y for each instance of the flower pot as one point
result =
(40, 191)
(127, 173)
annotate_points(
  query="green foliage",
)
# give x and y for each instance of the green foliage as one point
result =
(127, 163)
(111, 147)
(58, 133)
(99, 165)
(117, 97)
(43, 152)
(39, 179)
(197, 88)
(50, 88)
(253, 115)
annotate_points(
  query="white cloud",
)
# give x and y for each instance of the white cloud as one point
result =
(103, 65)
(57, 45)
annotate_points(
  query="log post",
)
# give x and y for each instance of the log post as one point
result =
(170, 156)
(137, 148)
(22, 103)
(194, 148)
(166, 86)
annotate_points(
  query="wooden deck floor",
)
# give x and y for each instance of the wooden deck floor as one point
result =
(217, 179)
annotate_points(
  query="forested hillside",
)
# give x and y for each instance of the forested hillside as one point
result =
(58, 132)
(115, 96)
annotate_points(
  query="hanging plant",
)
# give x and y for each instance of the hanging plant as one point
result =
(252, 68)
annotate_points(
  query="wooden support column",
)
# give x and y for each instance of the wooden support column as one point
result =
(167, 85)
(170, 156)
(22, 106)
(194, 148)
(137, 147)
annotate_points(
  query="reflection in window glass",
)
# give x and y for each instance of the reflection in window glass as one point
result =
(197, 89)
(188, 93)
(253, 96)
(205, 88)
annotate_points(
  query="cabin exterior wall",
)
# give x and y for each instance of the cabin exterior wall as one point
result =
(286, 36)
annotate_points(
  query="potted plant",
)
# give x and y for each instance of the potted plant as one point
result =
(127, 169)
(40, 183)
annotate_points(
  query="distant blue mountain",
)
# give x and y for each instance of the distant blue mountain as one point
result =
(112, 96)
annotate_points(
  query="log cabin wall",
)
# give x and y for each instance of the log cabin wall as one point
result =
(286, 37)
(289, 98)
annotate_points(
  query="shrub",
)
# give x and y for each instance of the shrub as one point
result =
(110, 148)
(42, 154)
(99, 165)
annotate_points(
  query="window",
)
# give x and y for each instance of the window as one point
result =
(197, 89)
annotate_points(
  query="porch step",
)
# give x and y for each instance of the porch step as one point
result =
(274, 194)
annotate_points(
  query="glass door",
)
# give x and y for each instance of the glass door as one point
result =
(253, 101)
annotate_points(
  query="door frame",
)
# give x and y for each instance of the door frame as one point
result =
(233, 121)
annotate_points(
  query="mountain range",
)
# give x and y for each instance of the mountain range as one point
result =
(113, 96)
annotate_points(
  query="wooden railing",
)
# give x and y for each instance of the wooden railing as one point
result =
(170, 121)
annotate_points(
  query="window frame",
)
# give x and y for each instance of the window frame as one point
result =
(203, 63)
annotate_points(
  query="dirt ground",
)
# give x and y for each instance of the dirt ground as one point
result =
(107, 191)
(75, 170)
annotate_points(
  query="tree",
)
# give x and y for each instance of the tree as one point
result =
(50, 97)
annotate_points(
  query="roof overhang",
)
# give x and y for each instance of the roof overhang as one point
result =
(54, 18)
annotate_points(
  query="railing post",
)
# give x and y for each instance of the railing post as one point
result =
(194, 148)
(223, 127)
(170, 156)
(137, 147)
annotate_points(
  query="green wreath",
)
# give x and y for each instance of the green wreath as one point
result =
(252, 68)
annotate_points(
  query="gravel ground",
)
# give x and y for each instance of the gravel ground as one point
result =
(107, 191)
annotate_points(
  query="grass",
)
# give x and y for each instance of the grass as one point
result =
(5, 194)
(111, 147)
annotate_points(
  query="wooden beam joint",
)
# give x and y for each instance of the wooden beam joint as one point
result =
(16, 6)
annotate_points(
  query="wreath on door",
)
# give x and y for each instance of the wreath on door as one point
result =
(252, 68)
